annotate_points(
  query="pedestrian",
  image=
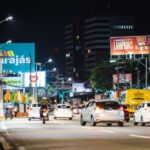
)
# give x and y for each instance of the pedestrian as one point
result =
(15, 111)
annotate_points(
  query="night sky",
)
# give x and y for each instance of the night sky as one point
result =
(43, 21)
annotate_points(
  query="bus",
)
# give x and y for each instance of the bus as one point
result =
(134, 97)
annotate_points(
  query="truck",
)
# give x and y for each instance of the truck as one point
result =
(134, 97)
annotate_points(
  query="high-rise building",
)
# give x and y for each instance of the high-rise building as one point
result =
(87, 42)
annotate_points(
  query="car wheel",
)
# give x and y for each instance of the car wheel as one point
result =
(83, 123)
(70, 118)
(142, 123)
(55, 117)
(93, 123)
(127, 119)
(109, 124)
(29, 119)
(135, 123)
(120, 124)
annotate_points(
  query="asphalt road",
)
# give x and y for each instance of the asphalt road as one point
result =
(64, 134)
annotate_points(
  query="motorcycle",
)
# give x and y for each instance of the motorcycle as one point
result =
(45, 115)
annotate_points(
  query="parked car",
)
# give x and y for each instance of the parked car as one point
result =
(126, 113)
(107, 111)
(63, 111)
(142, 114)
(34, 112)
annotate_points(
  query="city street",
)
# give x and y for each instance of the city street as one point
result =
(67, 134)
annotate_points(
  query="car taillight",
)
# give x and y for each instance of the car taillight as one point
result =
(98, 109)
(121, 108)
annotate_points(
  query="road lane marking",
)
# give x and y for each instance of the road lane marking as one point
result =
(140, 136)
(3, 126)
(87, 127)
(21, 148)
(108, 131)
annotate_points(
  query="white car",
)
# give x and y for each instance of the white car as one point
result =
(34, 112)
(63, 111)
(107, 111)
(142, 114)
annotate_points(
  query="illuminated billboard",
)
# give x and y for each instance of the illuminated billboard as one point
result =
(18, 57)
(130, 45)
(35, 79)
(122, 78)
(80, 87)
(12, 82)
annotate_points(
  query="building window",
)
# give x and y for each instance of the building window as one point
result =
(89, 51)
(67, 55)
(77, 37)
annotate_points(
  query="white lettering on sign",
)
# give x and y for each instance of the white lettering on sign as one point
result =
(16, 60)
(123, 44)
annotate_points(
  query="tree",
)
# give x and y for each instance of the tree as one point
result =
(101, 76)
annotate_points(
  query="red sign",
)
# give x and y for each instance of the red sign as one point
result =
(33, 78)
(130, 45)
(123, 78)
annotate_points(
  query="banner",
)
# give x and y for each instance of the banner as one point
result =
(123, 78)
(130, 45)
(35, 79)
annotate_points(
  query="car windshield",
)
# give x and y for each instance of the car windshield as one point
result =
(36, 105)
(148, 104)
(108, 105)
(64, 106)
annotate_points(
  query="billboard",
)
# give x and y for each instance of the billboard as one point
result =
(12, 82)
(35, 79)
(80, 87)
(123, 78)
(18, 57)
(130, 45)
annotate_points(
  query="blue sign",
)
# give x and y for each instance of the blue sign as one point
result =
(19, 57)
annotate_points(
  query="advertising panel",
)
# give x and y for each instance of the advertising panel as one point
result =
(123, 78)
(12, 82)
(35, 79)
(17, 57)
(80, 87)
(130, 45)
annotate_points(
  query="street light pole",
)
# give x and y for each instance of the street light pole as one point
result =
(49, 61)
(146, 71)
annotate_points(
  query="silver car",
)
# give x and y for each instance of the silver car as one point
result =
(108, 111)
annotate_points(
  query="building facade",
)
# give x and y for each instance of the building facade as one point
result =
(87, 42)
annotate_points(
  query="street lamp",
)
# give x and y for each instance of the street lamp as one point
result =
(48, 61)
(7, 42)
(6, 19)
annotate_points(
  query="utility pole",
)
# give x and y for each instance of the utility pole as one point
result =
(146, 73)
